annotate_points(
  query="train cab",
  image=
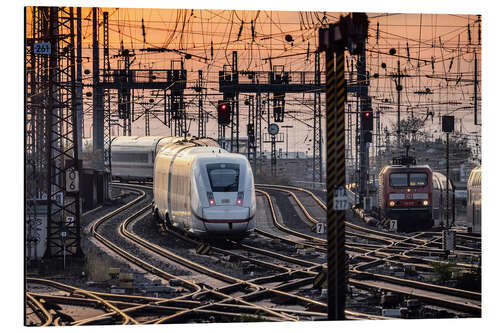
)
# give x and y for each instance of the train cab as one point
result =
(405, 195)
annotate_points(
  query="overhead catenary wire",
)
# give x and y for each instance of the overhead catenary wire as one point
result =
(214, 32)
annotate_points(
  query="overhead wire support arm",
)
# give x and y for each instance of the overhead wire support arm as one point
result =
(163, 49)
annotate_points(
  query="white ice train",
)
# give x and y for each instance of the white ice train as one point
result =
(204, 190)
(133, 157)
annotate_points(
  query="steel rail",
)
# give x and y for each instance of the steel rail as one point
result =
(424, 244)
(258, 289)
(108, 305)
(141, 263)
(191, 264)
(39, 310)
(475, 309)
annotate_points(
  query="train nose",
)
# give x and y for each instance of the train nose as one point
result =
(227, 219)
(234, 214)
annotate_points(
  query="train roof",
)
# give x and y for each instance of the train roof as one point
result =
(476, 169)
(136, 140)
(475, 177)
(212, 157)
(389, 167)
(203, 154)
(190, 148)
(441, 178)
(150, 141)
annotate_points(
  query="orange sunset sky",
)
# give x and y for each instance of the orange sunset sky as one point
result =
(435, 50)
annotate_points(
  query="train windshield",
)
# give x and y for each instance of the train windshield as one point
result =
(398, 179)
(224, 177)
(418, 179)
(408, 179)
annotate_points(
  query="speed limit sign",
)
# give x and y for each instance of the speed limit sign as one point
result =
(72, 180)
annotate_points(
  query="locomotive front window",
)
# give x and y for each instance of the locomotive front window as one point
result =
(407, 180)
(398, 179)
(224, 177)
(418, 179)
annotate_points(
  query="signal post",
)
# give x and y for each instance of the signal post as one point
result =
(351, 31)
(223, 119)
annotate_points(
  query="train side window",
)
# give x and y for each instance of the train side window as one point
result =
(130, 157)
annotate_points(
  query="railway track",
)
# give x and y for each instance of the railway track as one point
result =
(257, 291)
(281, 280)
(462, 300)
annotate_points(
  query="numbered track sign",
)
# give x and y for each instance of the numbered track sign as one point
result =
(70, 220)
(340, 201)
(393, 225)
(320, 228)
(72, 180)
(42, 48)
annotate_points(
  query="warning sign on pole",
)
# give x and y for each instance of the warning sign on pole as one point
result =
(72, 180)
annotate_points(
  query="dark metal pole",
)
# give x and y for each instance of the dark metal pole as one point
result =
(365, 105)
(98, 111)
(335, 97)
(201, 120)
(447, 177)
(475, 89)
(76, 143)
(79, 86)
(399, 105)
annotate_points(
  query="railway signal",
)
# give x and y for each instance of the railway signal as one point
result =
(448, 123)
(251, 132)
(367, 120)
(368, 137)
(223, 112)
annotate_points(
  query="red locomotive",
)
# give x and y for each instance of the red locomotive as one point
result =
(414, 195)
(405, 195)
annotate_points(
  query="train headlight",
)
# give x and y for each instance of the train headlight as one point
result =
(392, 203)
(425, 202)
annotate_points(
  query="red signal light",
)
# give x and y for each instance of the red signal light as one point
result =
(367, 120)
(223, 112)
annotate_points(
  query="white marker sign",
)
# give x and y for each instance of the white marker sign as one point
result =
(320, 228)
(340, 201)
(393, 225)
(72, 180)
(70, 220)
